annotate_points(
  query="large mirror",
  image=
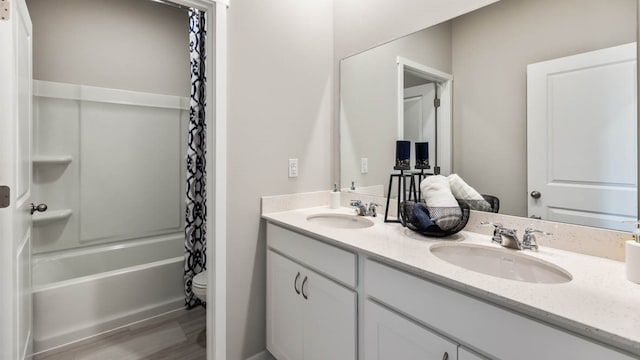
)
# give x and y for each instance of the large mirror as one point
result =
(537, 106)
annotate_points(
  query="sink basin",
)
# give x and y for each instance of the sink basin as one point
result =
(502, 263)
(340, 221)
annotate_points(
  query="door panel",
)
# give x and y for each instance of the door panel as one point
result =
(284, 308)
(329, 319)
(464, 354)
(591, 97)
(390, 336)
(15, 172)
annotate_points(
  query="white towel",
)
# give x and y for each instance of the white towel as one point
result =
(462, 190)
(443, 208)
(436, 192)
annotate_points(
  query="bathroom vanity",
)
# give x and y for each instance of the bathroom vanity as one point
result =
(379, 292)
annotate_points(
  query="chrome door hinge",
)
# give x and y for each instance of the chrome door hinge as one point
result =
(4, 10)
(436, 103)
(5, 196)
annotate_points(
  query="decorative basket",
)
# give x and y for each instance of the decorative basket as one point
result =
(461, 216)
(493, 201)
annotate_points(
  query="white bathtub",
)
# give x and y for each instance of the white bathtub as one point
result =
(81, 293)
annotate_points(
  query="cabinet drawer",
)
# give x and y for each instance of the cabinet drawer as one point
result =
(491, 330)
(327, 259)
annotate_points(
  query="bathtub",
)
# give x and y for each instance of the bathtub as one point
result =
(85, 292)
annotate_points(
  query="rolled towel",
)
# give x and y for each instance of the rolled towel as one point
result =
(461, 190)
(436, 192)
(420, 217)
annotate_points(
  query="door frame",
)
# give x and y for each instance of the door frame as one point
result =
(216, 157)
(445, 120)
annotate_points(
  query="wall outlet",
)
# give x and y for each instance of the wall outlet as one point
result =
(293, 168)
(364, 165)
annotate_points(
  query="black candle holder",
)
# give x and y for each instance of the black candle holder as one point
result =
(402, 192)
(422, 164)
(402, 164)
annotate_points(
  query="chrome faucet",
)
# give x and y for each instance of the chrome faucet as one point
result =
(509, 237)
(506, 237)
(529, 238)
(364, 209)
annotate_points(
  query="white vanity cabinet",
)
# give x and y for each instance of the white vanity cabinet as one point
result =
(311, 304)
(322, 304)
(492, 331)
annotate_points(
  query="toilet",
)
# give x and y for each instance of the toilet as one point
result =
(199, 285)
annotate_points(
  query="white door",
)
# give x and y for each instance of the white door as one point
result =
(330, 319)
(15, 176)
(590, 97)
(391, 336)
(284, 307)
(420, 117)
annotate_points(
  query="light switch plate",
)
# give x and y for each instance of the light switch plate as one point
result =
(293, 168)
(364, 165)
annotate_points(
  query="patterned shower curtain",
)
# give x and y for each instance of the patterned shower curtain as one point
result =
(195, 244)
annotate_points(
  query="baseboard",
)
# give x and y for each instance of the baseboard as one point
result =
(265, 355)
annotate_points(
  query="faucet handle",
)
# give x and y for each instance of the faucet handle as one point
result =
(497, 228)
(356, 203)
(372, 209)
(529, 240)
(530, 231)
(488, 223)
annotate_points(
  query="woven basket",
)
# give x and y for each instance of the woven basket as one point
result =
(461, 214)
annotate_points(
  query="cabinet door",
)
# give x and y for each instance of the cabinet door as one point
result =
(464, 354)
(330, 319)
(284, 308)
(391, 336)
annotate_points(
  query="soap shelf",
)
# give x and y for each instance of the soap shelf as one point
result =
(49, 216)
(52, 160)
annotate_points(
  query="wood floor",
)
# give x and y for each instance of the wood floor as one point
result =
(178, 335)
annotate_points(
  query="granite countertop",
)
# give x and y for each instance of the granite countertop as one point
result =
(599, 302)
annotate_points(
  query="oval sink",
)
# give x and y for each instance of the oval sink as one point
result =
(340, 221)
(506, 264)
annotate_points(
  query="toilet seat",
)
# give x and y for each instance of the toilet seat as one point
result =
(199, 285)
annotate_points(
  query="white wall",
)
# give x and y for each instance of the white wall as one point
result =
(280, 83)
(489, 67)
(122, 44)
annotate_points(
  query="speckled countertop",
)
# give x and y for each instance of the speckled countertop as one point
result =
(599, 302)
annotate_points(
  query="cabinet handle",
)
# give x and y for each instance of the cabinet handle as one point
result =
(446, 356)
(303, 294)
(295, 284)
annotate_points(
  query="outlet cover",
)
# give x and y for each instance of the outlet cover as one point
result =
(293, 168)
(364, 165)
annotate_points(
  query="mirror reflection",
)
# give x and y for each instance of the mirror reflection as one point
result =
(537, 106)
